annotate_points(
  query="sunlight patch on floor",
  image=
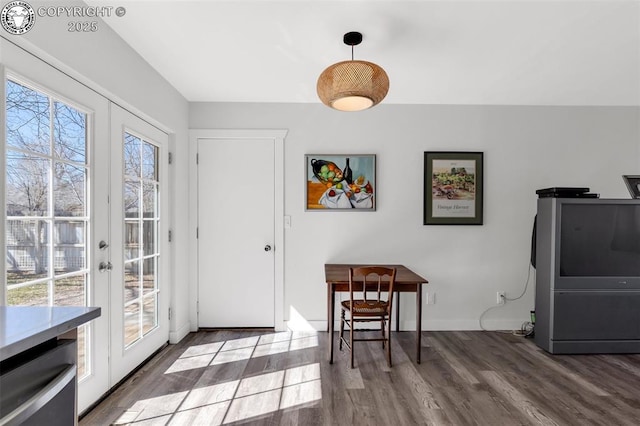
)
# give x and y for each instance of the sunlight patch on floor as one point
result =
(153, 408)
(201, 356)
(231, 401)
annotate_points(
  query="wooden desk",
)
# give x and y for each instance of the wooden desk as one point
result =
(407, 281)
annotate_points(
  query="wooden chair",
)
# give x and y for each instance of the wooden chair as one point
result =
(363, 307)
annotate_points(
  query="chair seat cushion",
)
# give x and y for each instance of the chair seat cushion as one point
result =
(366, 307)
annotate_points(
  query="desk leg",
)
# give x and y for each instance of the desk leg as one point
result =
(397, 311)
(328, 304)
(418, 320)
(332, 302)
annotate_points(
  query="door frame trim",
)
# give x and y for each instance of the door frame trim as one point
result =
(278, 136)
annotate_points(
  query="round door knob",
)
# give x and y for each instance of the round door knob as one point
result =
(105, 266)
(267, 248)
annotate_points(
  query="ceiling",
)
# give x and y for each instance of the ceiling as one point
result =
(509, 52)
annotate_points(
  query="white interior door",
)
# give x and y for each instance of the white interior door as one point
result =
(139, 240)
(236, 232)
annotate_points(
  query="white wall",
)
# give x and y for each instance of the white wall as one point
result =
(525, 148)
(104, 62)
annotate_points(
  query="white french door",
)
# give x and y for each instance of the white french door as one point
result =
(139, 234)
(56, 175)
(86, 214)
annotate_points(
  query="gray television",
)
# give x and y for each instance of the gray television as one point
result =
(588, 275)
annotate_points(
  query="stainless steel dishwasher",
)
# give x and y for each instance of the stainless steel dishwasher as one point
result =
(38, 386)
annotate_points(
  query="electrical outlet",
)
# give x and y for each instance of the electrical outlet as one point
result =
(431, 298)
(501, 297)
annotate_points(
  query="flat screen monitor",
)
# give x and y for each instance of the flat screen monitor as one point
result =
(600, 240)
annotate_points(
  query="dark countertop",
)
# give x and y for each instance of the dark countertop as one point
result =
(23, 327)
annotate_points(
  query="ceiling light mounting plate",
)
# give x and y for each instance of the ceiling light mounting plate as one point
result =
(352, 38)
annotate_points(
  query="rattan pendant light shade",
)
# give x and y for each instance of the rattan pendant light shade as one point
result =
(353, 85)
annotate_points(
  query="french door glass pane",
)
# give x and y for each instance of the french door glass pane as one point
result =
(28, 295)
(149, 197)
(149, 279)
(131, 281)
(131, 199)
(69, 129)
(131, 239)
(27, 244)
(70, 291)
(27, 187)
(149, 233)
(83, 341)
(149, 162)
(132, 325)
(46, 197)
(132, 156)
(27, 119)
(69, 245)
(150, 313)
(141, 221)
(69, 191)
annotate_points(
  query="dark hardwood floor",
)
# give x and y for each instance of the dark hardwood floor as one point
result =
(466, 378)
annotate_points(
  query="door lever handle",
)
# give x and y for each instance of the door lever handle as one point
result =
(105, 266)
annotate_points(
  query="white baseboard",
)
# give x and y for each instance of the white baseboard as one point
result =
(177, 335)
(464, 325)
(435, 325)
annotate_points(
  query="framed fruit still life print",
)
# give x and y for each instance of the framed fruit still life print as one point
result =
(336, 182)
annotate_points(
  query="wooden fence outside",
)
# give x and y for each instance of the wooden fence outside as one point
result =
(28, 241)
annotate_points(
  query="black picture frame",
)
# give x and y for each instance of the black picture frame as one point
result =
(453, 188)
(633, 185)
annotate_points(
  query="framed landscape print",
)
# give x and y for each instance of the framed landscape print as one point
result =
(340, 182)
(453, 191)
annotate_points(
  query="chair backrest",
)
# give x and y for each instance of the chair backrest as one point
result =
(379, 279)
